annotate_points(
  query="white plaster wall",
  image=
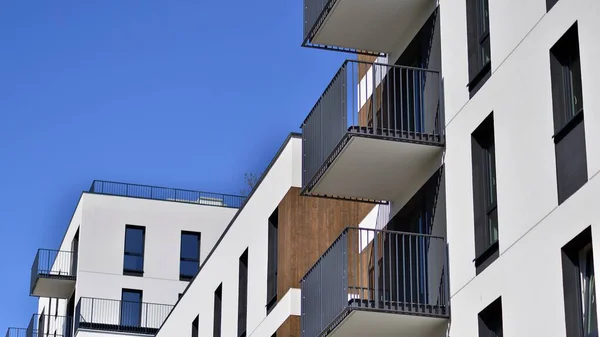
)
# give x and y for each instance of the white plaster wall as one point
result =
(249, 230)
(532, 228)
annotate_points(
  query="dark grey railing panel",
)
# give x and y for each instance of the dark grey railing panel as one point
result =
(388, 101)
(315, 12)
(367, 269)
(166, 194)
(53, 264)
(50, 325)
(121, 316)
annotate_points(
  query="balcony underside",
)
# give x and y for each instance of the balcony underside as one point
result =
(366, 25)
(118, 328)
(360, 323)
(373, 169)
(53, 286)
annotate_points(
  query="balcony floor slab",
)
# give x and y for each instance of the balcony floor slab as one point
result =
(54, 286)
(360, 323)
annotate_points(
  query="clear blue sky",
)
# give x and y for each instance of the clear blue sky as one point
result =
(180, 93)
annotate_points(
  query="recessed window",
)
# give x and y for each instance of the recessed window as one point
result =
(217, 314)
(485, 203)
(133, 263)
(478, 40)
(195, 324)
(243, 294)
(550, 4)
(189, 255)
(131, 308)
(490, 320)
(272, 261)
(579, 286)
(567, 104)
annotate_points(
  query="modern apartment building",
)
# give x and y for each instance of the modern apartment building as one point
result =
(444, 184)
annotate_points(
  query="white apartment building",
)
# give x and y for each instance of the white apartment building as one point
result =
(444, 184)
(128, 253)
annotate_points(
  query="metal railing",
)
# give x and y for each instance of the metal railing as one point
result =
(16, 332)
(376, 270)
(166, 194)
(371, 100)
(120, 316)
(51, 263)
(50, 325)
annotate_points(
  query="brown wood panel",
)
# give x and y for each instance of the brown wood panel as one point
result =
(307, 227)
(291, 327)
(364, 67)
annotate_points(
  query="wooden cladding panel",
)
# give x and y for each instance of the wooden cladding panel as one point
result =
(291, 327)
(307, 227)
(363, 67)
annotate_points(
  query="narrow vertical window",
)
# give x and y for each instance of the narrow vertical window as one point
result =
(567, 104)
(490, 320)
(195, 326)
(131, 308)
(579, 286)
(133, 263)
(272, 261)
(217, 314)
(478, 41)
(243, 294)
(550, 4)
(189, 262)
(485, 204)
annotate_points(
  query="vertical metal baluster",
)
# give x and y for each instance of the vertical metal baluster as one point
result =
(383, 261)
(373, 96)
(376, 271)
(401, 91)
(410, 270)
(396, 268)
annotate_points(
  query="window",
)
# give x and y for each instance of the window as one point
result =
(195, 326)
(490, 320)
(272, 262)
(567, 104)
(179, 296)
(133, 263)
(579, 286)
(131, 308)
(189, 256)
(550, 4)
(243, 294)
(217, 315)
(478, 40)
(485, 205)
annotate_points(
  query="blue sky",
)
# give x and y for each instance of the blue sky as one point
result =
(180, 93)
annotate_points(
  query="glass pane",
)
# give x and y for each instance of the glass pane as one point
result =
(491, 175)
(493, 227)
(577, 98)
(135, 263)
(588, 290)
(485, 51)
(131, 308)
(190, 246)
(134, 240)
(188, 268)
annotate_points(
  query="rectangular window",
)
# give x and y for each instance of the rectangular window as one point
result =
(217, 315)
(478, 40)
(272, 261)
(189, 256)
(485, 205)
(567, 104)
(131, 308)
(579, 286)
(243, 294)
(490, 320)
(133, 263)
(195, 326)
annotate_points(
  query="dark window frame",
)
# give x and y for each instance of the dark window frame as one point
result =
(572, 284)
(490, 320)
(479, 44)
(272, 269)
(182, 276)
(485, 197)
(128, 271)
(195, 326)
(218, 311)
(243, 294)
(123, 302)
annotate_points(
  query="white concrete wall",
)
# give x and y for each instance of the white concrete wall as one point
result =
(249, 230)
(532, 228)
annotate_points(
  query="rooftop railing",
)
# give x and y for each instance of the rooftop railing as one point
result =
(166, 194)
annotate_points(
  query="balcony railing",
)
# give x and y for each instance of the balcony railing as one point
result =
(16, 332)
(50, 325)
(51, 264)
(375, 270)
(166, 194)
(373, 100)
(120, 316)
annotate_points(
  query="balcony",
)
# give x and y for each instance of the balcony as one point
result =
(120, 316)
(166, 194)
(53, 274)
(374, 129)
(368, 27)
(49, 326)
(16, 332)
(377, 283)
